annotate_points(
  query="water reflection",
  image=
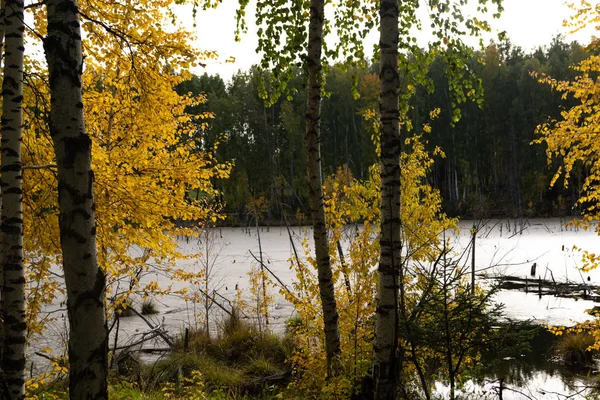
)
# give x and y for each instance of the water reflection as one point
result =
(537, 373)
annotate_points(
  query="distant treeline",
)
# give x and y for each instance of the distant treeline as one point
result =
(490, 168)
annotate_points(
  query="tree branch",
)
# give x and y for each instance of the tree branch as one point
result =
(42, 166)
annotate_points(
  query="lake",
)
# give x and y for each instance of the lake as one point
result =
(503, 247)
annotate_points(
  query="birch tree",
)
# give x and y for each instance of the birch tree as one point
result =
(312, 141)
(385, 360)
(13, 291)
(85, 281)
(292, 36)
(403, 67)
(139, 130)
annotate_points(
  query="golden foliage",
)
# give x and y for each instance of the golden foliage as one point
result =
(144, 159)
(350, 202)
(572, 140)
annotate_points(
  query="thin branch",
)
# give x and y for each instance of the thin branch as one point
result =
(214, 301)
(283, 285)
(110, 30)
(154, 335)
(162, 334)
(43, 166)
(127, 40)
(35, 5)
(48, 357)
(35, 33)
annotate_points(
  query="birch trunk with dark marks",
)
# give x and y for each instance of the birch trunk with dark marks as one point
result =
(13, 293)
(2, 14)
(85, 281)
(386, 360)
(312, 142)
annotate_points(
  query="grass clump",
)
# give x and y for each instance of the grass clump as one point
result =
(127, 391)
(219, 375)
(238, 361)
(149, 307)
(262, 367)
(574, 348)
(197, 341)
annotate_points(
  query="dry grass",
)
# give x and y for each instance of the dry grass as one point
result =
(574, 348)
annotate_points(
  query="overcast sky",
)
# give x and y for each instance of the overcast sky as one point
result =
(528, 23)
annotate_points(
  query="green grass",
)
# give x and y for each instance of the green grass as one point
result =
(233, 363)
(129, 391)
(198, 341)
(573, 348)
(261, 367)
(240, 363)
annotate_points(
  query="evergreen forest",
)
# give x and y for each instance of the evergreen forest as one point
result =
(488, 165)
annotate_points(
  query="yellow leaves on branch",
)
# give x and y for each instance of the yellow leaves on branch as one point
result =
(574, 139)
(348, 203)
(585, 14)
(146, 151)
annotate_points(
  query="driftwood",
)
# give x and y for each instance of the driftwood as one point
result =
(158, 329)
(548, 287)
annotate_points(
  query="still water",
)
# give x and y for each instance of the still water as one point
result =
(502, 247)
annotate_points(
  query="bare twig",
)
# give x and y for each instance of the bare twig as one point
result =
(162, 334)
(35, 5)
(212, 298)
(42, 166)
(283, 285)
(141, 341)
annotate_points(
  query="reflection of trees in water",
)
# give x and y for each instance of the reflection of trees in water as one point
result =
(525, 366)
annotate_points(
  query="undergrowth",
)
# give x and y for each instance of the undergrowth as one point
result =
(575, 348)
(240, 362)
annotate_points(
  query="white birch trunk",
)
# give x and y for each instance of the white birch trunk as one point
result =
(385, 363)
(13, 293)
(312, 141)
(85, 281)
(2, 14)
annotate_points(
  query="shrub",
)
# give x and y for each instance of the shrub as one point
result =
(574, 348)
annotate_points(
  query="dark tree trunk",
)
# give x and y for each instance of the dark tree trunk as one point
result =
(2, 30)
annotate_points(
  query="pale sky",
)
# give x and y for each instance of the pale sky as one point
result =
(528, 23)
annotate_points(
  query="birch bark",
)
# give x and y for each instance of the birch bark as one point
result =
(385, 363)
(85, 281)
(312, 142)
(13, 288)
